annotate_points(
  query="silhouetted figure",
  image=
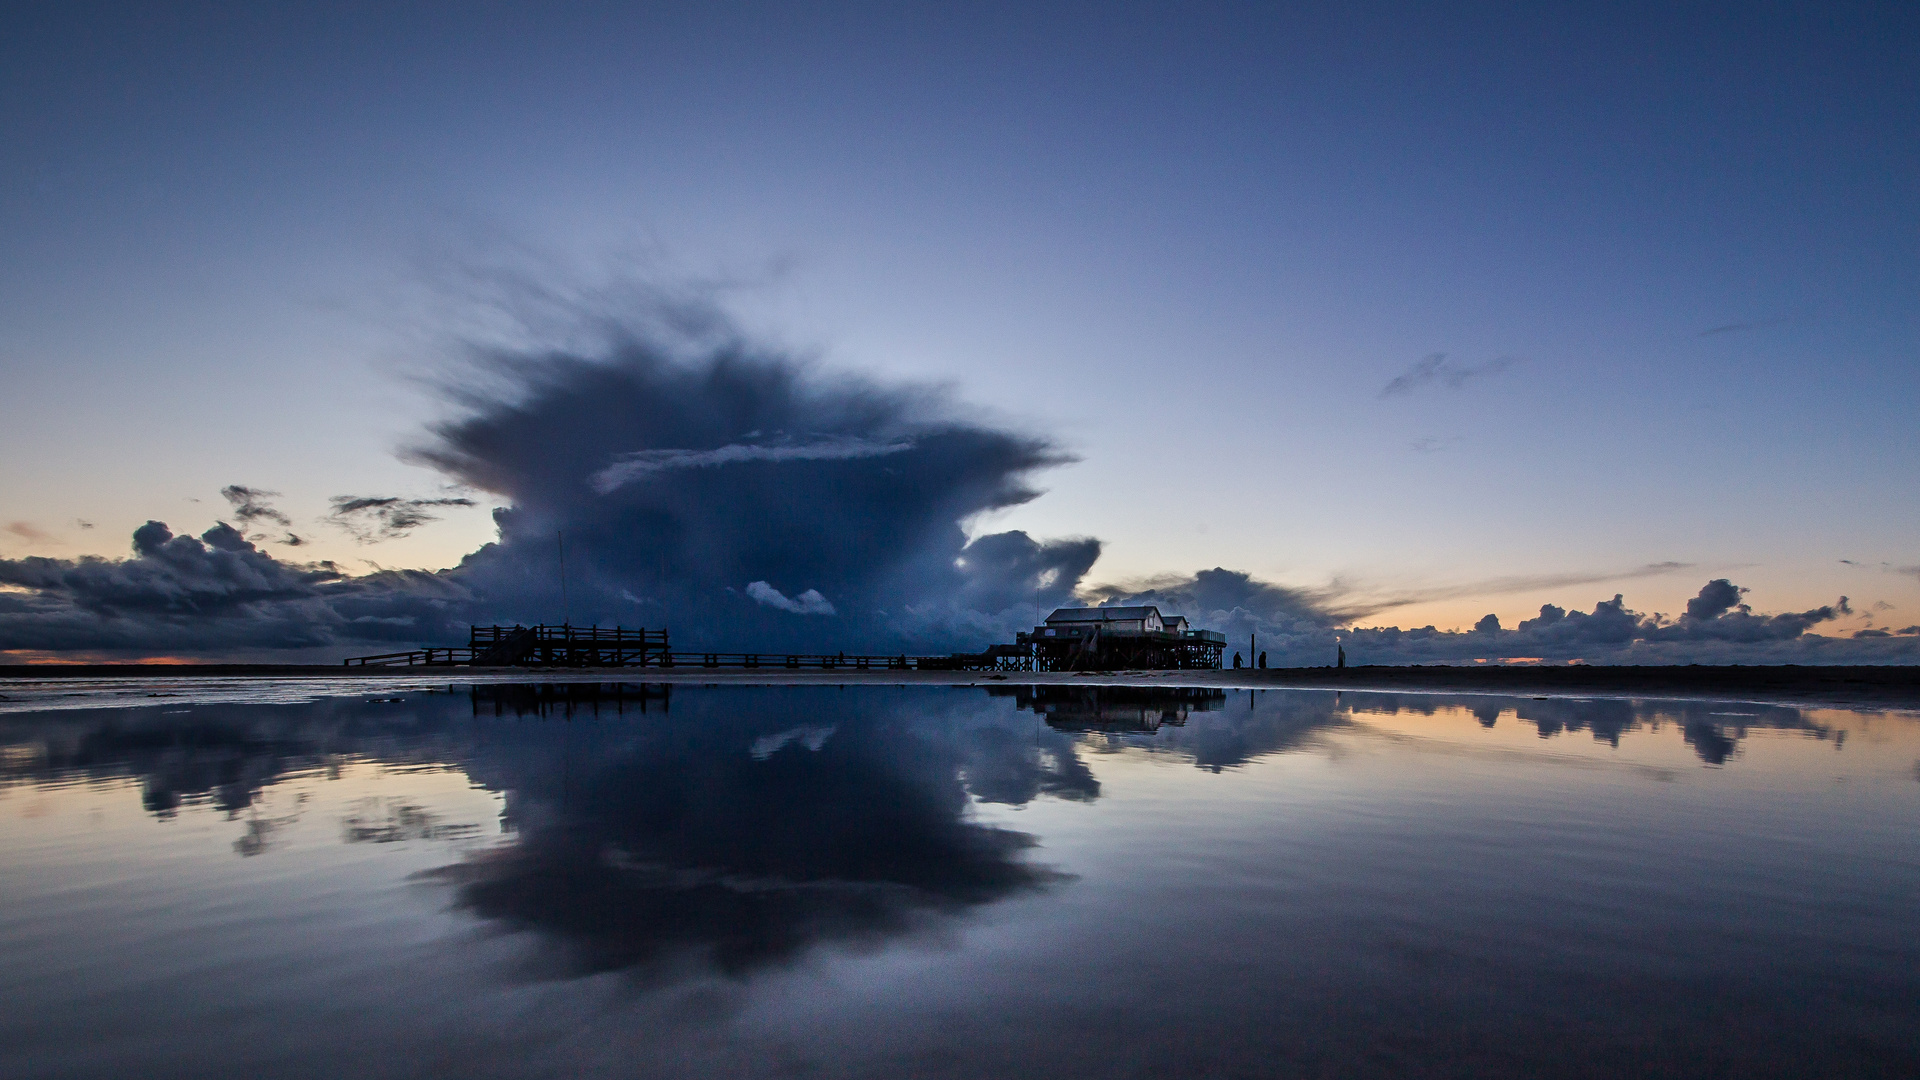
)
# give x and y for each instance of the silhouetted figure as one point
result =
(1263, 661)
(1342, 662)
(1236, 661)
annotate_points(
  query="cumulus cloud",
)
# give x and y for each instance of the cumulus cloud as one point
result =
(217, 591)
(376, 518)
(1303, 627)
(1435, 369)
(807, 603)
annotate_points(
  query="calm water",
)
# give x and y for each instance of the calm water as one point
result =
(615, 881)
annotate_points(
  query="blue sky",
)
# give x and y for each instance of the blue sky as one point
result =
(1669, 253)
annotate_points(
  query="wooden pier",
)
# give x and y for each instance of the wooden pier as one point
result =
(1072, 639)
(547, 646)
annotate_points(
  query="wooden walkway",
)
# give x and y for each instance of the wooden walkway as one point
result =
(565, 646)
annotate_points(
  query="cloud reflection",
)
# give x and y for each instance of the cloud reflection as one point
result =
(736, 830)
(724, 838)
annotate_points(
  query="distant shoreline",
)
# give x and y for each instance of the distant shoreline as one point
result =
(1852, 686)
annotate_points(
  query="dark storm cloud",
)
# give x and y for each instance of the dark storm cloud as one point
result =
(697, 479)
(1436, 369)
(376, 518)
(749, 495)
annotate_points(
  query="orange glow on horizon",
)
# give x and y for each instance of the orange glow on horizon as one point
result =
(46, 658)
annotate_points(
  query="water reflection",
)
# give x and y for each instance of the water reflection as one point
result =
(1285, 883)
(566, 700)
(743, 827)
(1113, 708)
(731, 829)
(736, 836)
(223, 755)
(178, 758)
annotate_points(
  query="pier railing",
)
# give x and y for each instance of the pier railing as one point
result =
(548, 646)
(458, 657)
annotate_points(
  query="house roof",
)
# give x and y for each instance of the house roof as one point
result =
(1101, 614)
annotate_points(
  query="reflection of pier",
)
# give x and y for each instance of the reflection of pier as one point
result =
(1114, 708)
(541, 646)
(567, 699)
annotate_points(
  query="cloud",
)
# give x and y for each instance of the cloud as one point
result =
(734, 461)
(249, 505)
(1717, 614)
(727, 842)
(1435, 368)
(214, 592)
(628, 468)
(1360, 605)
(31, 533)
(1734, 328)
(866, 507)
(659, 455)
(1301, 627)
(807, 603)
(373, 519)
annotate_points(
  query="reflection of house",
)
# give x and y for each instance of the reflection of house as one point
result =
(1119, 638)
(548, 699)
(1115, 708)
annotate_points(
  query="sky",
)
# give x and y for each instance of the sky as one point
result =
(1412, 313)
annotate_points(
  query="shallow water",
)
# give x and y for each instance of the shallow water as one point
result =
(913, 881)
